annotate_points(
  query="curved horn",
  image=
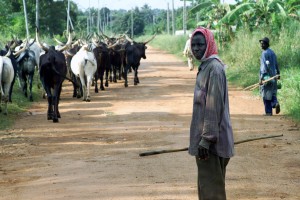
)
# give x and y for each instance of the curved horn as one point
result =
(77, 42)
(69, 53)
(150, 39)
(38, 41)
(99, 36)
(32, 42)
(8, 53)
(95, 42)
(13, 44)
(127, 38)
(59, 42)
(113, 45)
(67, 45)
(21, 50)
(104, 34)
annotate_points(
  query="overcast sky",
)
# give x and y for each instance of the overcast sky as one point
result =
(129, 4)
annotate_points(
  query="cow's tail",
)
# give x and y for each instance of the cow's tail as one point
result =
(57, 72)
(1, 74)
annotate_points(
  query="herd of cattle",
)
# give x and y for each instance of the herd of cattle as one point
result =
(81, 61)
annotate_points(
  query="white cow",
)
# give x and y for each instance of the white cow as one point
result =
(33, 46)
(6, 78)
(84, 66)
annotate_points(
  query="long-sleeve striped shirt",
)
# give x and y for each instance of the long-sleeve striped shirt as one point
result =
(211, 119)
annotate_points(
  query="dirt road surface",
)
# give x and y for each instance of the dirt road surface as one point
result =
(93, 152)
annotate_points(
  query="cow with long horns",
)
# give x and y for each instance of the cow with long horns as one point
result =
(26, 60)
(84, 66)
(53, 70)
(134, 52)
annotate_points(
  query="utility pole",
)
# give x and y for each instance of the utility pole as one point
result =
(90, 17)
(87, 25)
(184, 17)
(26, 20)
(98, 19)
(132, 23)
(168, 19)
(173, 18)
(37, 14)
(107, 24)
(68, 17)
(103, 19)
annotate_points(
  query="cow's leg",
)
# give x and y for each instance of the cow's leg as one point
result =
(50, 106)
(88, 84)
(30, 87)
(5, 99)
(106, 77)
(110, 74)
(83, 85)
(24, 84)
(120, 72)
(56, 96)
(96, 84)
(79, 91)
(115, 74)
(11, 89)
(125, 76)
(75, 85)
(135, 77)
(55, 104)
(101, 83)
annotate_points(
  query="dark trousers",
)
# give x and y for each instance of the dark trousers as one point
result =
(269, 104)
(211, 178)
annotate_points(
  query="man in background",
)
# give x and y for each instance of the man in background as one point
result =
(268, 69)
(188, 54)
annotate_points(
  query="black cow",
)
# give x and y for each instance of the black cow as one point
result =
(101, 52)
(53, 70)
(116, 57)
(26, 64)
(134, 52)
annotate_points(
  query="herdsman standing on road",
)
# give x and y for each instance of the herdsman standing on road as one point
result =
(268, 68)
(211, 137)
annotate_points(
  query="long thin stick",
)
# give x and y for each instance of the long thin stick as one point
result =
(150, 153)
(252, 87)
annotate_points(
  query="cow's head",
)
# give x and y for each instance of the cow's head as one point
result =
(142, 49)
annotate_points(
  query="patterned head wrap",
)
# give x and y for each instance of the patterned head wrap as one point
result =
(211, 49)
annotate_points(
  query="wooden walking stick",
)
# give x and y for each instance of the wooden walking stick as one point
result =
(150, 153)
(252, 87)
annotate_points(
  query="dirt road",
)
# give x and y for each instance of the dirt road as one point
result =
(93, 152)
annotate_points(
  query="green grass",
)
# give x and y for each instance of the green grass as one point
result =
(19, 104)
